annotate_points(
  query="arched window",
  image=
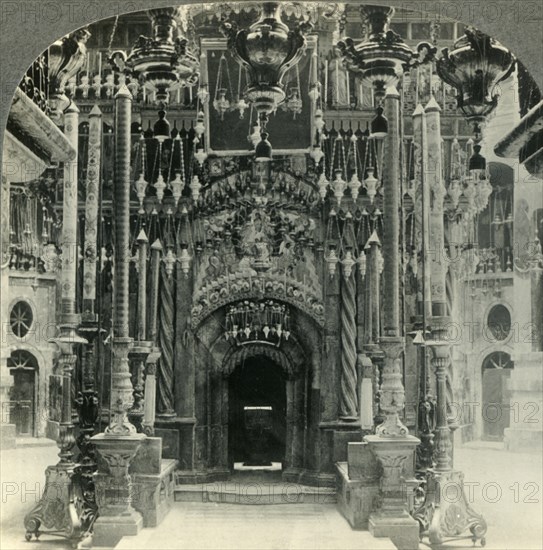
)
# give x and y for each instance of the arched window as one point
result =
(498, 360)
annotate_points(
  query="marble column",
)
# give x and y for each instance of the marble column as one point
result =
(119, 444)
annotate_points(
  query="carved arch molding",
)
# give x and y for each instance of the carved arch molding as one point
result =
(292, 361)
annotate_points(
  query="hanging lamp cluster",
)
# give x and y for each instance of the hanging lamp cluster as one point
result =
(267, 49)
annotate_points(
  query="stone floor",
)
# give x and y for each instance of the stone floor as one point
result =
(505, 488)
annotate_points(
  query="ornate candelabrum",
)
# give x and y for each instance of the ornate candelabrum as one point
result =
(382, 58)
(142, 347)
(442, 518)
(164, 61)
(118, 445)
(59, 510)
(87, 401)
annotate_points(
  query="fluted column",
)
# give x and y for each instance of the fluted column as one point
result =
(349, 399)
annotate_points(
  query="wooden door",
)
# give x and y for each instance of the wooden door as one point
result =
(496, 400)
(22, 402)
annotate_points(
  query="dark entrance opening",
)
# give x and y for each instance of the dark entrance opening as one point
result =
(23, 368)
(257, 414)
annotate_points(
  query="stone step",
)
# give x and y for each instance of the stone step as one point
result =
(254, 493)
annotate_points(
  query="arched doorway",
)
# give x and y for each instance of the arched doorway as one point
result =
(497, 369)
(22, 404)
(257, 414)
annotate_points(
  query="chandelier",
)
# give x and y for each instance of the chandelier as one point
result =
(163, 62)
(267, 49)
(474, 67)
(265, 321)
(382, 58)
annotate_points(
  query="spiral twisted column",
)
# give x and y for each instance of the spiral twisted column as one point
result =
(165, 340)
(349, 397)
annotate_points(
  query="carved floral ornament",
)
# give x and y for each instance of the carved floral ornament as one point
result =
(238, 286)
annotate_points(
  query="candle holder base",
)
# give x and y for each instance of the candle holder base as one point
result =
(445, 517)
(57, 510)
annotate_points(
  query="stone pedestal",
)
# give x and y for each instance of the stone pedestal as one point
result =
(358, 484)
(391, 519)
(153, 482)
(114, 488)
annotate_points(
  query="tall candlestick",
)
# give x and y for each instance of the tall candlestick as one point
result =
(142, 285)
(392, 344)
(435, 182)
(391, 205)
(122, 392)
(59, 477)
(421, 152)
(325, 82)
(156, 250)
(337, 81)
(69, 219)
(91, 212)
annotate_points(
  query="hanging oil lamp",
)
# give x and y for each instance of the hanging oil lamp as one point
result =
(331, 260)
(347, 263)
(370, 183)
(195, 187)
